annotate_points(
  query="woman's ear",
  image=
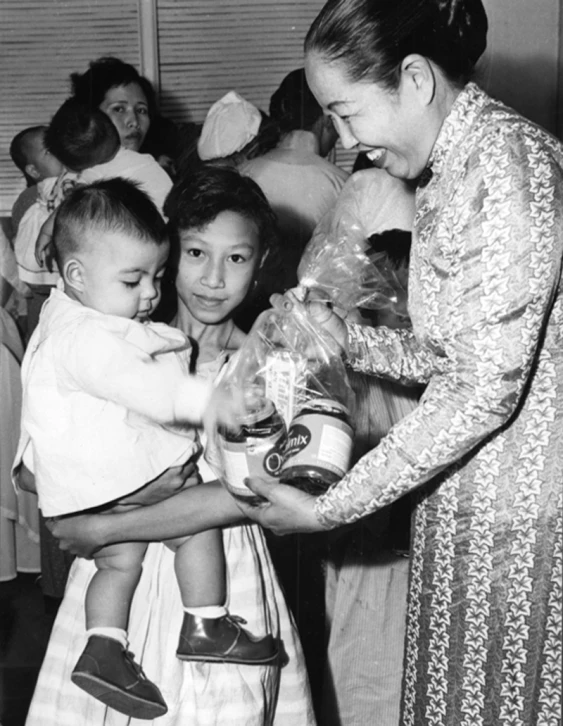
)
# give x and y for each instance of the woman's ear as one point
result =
(73, 275)
(418, 76)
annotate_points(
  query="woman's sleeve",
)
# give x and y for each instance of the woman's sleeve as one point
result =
(508, 235)
(392, 354)
(143, 376)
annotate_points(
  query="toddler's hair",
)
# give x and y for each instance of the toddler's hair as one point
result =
(81, 136)
(19, 147)
(110, 205)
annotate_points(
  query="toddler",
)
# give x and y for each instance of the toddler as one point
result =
(108, 403)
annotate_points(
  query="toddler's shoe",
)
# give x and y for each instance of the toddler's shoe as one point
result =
(108, 672)
(223, 640)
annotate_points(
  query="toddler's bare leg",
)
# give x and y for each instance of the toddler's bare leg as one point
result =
(209, 632)
(200, 569)
(111, 590)
(106, 669)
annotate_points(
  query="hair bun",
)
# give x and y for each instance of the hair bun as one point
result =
(465, 23)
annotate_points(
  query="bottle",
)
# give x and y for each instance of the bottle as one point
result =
(318, 448)
(253, 451)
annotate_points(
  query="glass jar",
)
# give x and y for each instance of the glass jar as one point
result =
(255, 450)
(318, 448)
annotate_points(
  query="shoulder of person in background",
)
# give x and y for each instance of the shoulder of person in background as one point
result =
(164, 141)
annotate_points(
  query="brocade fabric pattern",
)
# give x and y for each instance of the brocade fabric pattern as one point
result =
(484, 448)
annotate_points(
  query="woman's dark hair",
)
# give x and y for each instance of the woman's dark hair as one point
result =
(81, 136)
(292, 105)
(197, 199)
(110, 205)
(372, 37)
(108, 72)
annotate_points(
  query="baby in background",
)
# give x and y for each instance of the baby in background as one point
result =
(36, 163)
(87, 144)
(109, 405)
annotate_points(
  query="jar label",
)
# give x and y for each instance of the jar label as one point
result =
(319, 440)
(254, 457)
(285, 379)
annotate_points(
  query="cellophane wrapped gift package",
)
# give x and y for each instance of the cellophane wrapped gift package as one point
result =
(298, 428)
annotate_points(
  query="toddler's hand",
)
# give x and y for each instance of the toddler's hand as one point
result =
(225, 408)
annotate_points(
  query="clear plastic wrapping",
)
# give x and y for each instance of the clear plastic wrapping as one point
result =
(286, 365)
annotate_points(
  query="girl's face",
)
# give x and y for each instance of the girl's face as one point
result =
(391, 125)
(217, 266)
(128, 109)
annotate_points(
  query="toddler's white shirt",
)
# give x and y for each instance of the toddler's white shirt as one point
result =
(140, 168)
(98, 393)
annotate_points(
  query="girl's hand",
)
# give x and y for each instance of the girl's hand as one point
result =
(80, 534)
(320, 312)
(287, 510)
(168, 484)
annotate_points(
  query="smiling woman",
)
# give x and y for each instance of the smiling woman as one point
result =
(481, 451)
(374, 72)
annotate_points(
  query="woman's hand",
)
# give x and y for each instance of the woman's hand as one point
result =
(286, 511)
(320, 312)
(80, 534)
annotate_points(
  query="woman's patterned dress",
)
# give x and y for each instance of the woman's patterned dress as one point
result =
(484, 449)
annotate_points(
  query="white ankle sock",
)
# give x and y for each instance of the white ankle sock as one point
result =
(115, 633)
(208, 611)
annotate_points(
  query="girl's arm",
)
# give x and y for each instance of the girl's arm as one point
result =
(194, 510)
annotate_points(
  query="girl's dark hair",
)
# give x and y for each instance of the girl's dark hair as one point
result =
(81, 136)
(372, 37)
(110, 205)
(197, 199)
(108, 72)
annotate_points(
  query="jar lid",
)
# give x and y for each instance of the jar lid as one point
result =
(264, 409)
(325, 405)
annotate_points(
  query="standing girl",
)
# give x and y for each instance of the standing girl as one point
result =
(223, 233)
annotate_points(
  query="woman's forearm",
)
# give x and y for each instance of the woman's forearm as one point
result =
(194, 510)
